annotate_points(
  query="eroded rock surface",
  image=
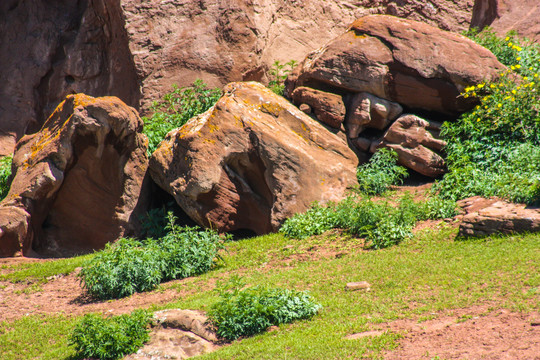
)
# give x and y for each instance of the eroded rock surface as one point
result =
(78, 181)
(412, 63)
(178, 334)
(367, 110)
(327, 107)
(252, 161)
(489, 216)
(417, 143)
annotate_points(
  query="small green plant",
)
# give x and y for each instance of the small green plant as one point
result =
(129, 266)
(381, 222)
(176, 108)
(381, 172)
(245, 312)
(494, 149)
(110, 338)
(5, 173)
(278, 73)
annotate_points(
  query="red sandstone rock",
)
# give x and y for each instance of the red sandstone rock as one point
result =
(367, 110)
(251, 162)
(414, 64)
(417, 144)
(328, 108)
(78, 181)
(489, 216)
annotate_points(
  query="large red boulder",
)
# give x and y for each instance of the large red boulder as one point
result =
(78, 182)
(414, 64)
(252, 161)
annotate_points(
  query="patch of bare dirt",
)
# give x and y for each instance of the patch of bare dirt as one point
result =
(64, 295)
(469, 334)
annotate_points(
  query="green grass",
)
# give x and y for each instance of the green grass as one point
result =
(429, 273)
(40, 271)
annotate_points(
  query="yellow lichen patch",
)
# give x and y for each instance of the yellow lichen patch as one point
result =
(82, 100)
(213, 128)
(272, 108)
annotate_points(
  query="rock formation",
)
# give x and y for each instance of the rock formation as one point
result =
(414, 64)
(78, 181)
(490, 216)
(49, 49)
(367, 110)
(252, 161)
(505, 15)
(417, 143)
(327, 107)
(137, 49)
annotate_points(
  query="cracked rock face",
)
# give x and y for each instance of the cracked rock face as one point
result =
(78, 182)
(408, 62)
(252, 161)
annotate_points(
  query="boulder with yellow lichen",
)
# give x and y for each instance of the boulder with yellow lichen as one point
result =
(252, 161)
(77, 182)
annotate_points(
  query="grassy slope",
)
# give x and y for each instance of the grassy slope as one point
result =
(427, 274)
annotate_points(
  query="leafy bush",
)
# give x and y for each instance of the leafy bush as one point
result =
(110, 338)
(278, 73)
(494, 150)
(130, 266)
(380, 172)
(382, 222)
(5, 173)
(253, 310)
(176, 108)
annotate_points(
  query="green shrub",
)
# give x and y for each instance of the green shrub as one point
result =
(253, 310)
(129, 266)
(110, 338)
(5, 173)
(381, 222)
(278, 73)
(494, 150)
(176, 108)
(381, 172)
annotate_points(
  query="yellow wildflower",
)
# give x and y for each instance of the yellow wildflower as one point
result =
(492, 86)
(499, 105)
(481, 85)
(518, 58)
(514, 92)
(518, 66)
(513, 67)
(506, 38)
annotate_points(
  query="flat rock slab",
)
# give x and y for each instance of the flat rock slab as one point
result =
(490, 216)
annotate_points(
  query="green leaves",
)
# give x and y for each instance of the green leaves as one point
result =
(5, 173)
(251, 311)
(129, 266)
(110, 338)
(383, 223)
(380, 172)
(278, 74)
(176, 108)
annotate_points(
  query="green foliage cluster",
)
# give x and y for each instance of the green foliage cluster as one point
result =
(494, 150)
(278, 73)
(176, 108)
(130, 266)
(110, 338)
(246, 312)
(382, 222)
(381, 172)
(5, 173)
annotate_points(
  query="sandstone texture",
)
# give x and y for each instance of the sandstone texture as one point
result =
(136, 49)
(49, 49)
(505, 15)
(367, 110)
(417, 143)
(252, 161)
(408, 62)
(327, 107)
(178, 334)
(78, 182)
(489, 216)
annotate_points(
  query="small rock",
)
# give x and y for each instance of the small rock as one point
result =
(360, 285)
(305, 108)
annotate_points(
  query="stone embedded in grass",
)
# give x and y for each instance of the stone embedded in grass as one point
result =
(360, 285)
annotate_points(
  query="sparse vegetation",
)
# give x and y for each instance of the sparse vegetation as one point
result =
(5, 173)
(110, 338)
(278, 74)
(176, 108)
(382, 222)
(245, 312)
(494, 150)
(129, 265)
(381, 172)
